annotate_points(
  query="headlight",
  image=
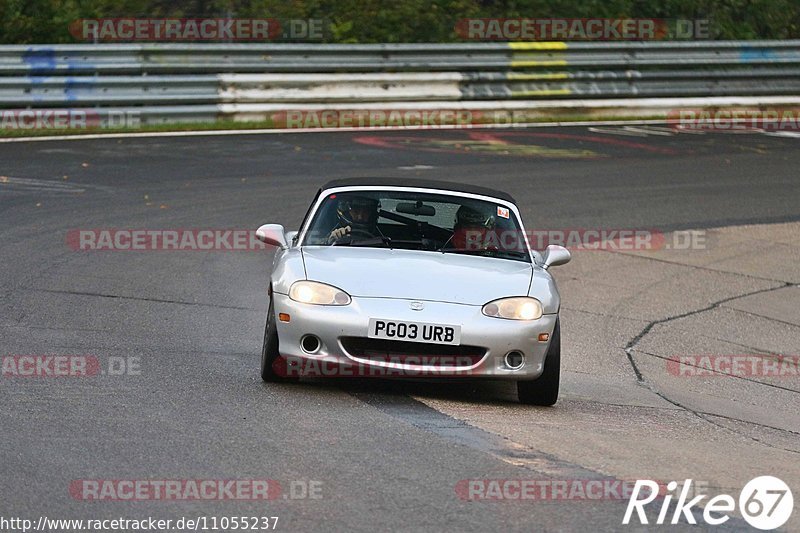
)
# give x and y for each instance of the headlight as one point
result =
(313, 292)
(519, 308)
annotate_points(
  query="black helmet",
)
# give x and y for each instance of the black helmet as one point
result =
(358, 212)
(472, 218)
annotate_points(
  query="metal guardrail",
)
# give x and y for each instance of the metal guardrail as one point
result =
(166, 80)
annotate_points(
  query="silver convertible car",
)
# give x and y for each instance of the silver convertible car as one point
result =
(411, 278)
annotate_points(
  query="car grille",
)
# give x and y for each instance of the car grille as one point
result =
(412, 353)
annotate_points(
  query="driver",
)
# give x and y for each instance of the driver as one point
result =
(358, 215)
(472, 230)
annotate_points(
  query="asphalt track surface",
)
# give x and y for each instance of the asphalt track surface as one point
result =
(386, 457)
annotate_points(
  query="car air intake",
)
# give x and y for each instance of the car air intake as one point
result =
(412, 353)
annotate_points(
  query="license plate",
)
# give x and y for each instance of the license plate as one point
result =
(414, 331)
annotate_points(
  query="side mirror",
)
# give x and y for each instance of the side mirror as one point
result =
(291, 236)
(272, 234)
(555, 255)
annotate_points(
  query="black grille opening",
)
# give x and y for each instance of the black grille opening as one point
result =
(414, 353)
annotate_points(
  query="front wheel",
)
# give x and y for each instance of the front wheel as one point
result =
(270, 356)
(544, 389)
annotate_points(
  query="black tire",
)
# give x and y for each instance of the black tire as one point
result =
(269, 350)
(544, 389)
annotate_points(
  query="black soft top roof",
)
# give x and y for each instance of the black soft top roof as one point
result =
(427, 184)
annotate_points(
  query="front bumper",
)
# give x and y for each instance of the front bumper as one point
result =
(336, 325)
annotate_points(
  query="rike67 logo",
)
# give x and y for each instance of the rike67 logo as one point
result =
(765, 503)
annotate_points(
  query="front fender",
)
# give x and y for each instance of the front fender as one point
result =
(287, 268)
(543, 288)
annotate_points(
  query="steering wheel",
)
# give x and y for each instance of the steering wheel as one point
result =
(361, 233)
(354, 233)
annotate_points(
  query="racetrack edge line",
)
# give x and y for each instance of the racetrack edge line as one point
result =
(220, 133)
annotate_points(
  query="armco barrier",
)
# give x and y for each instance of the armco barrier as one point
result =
(204, 82)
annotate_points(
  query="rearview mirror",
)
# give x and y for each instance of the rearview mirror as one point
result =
(272, 234)
(418, 209)
(555, 255)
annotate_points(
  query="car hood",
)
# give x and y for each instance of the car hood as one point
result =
(385, 273)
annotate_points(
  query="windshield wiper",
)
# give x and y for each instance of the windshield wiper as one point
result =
(372, 241)
(486, 253)
(441, 248)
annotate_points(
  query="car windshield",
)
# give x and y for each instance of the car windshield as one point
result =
(409, 220)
